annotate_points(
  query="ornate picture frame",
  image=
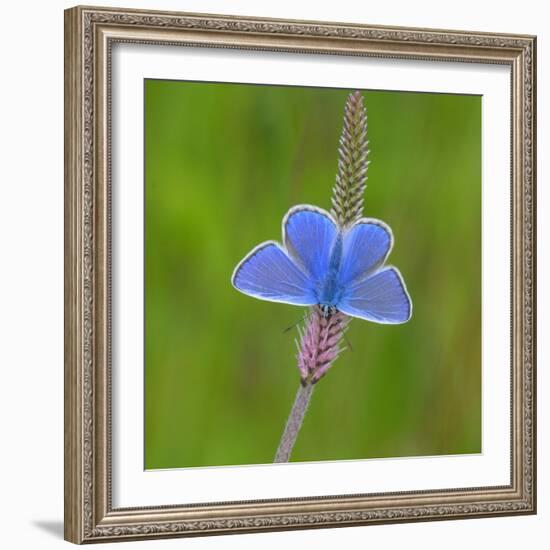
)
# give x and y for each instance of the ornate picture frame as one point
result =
(90, 34)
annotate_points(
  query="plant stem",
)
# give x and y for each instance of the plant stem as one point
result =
(320, 338)
(294, 422)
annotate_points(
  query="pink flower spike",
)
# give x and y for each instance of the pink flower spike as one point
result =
(320, 343)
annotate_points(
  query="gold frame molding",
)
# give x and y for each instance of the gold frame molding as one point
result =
(89, 36)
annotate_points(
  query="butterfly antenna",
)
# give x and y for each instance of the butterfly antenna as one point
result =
(301, 320)
(348, 343)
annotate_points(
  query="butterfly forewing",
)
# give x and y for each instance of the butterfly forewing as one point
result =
(382, 297)
(269, 274)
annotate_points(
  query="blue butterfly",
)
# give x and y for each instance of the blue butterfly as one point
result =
(323, 264)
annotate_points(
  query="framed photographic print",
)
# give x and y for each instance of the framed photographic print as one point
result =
(300, 274)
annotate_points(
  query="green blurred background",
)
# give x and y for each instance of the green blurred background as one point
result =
(224, 163)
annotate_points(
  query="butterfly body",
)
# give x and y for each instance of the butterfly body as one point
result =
(339, 269)
(329, 291)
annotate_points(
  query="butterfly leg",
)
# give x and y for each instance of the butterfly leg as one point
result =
(327, 310)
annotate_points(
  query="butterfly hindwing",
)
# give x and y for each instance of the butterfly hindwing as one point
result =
(366, 246)
(268, 273)
(308, 235)
(381, 297)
